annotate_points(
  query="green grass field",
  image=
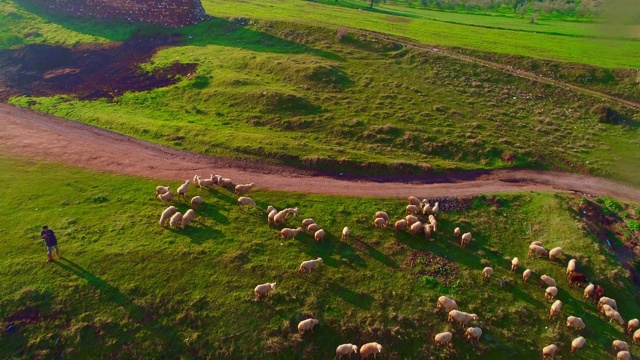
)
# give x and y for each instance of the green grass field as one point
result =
(127, 288)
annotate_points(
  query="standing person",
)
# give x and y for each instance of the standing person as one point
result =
(51, 242)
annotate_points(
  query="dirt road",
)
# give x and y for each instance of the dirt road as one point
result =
(26, 133)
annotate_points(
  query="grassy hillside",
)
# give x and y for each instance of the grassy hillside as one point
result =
(128, 288)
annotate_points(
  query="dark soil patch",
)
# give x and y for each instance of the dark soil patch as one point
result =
(87, 71)
(424, 263)
(25, 315)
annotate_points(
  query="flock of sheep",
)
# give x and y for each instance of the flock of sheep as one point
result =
(412, 223)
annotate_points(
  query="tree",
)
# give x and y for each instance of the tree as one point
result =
(521, 10)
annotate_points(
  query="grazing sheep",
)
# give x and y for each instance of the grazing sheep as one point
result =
(426, 209)
(166, 215)
(623, 355)
(598, 293)
(428, 230)
(550, 293)
(244, 201)
(588, 291)
(619, 345)
(161, 189)
(636, 336)
(575, 322)
(571, 267)
(435, 209)
(309, 265)
(383, 215)
(609, 301)
(412, 200)
(548, 352)
(548, 280)
(411, 219)
(400, 225)
(612, 314)
(346, 349)
(465, 239)
(288, 233)
(242, 189)
(457, 232)
(416, 228)
(168, 196)
(187, 217)
(514, 264)
(577, 279)
(554, 253)
(203, 182)
(278, 218)
(412, 209)
(313, 228)
(473, 333)
(307, 222)
(461, 317)
(370, 348)
(555, 309)
(632, 325)
(442, 338)
(306, 325)
(293, 211)
(319, 235)
(380, 222)
(224, 182)
(175, 219)
(182, 190)
(486, 273)
(577, 343)
(196, 201)
(345, 233)
(271, 215)
(526, 275)
(538, 243)
(432, 221)
(536, 249)
(446, 303)
(264, 289)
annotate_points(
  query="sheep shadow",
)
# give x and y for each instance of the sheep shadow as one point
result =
(360, 300)
(198, 233)
(375, 254)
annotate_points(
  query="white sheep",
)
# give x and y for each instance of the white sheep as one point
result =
(319, 235)
(264, 289)
(161, 189)
(166, 215)
(514, 264)
(473, 333)
(588, 291)
(428, 230)
(619, 345)
(636, 336)
(400, 225)
(435, 209)
(555, 309)
(623, 355)
(312, 228)
(242, 189)
(537, 249)
(538, 243)
(196, 201)
(223, 182)
(632, 325)
(555, 252)
(612, 314)
(345, 233)
(175, 219)
(383, 215)
(307, 222)
(526, 275)
(575, 322)
(457, 232)
(609, 301)
(202, 182)
(577, 343)
(550, 293)
(461, 317)
(370, 348)
(411, 219)
(446, 303)
(549, 351)
(442, 338)
(187, 217)
(271, 215)
(182, 190)
(465, 239)
(309, 265)
(416, 228)
(548, 280)
(571, 266)
(168, 196)
(426, 209)
(244, 201)
(346, 349)
(486, 273)
(412, 200)
(380, 222)
(306, 325)
(412, 209)
(432, 221)
(288, 233)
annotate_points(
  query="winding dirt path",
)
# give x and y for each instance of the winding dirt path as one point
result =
(25, 133)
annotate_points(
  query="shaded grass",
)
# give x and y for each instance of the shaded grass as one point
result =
(128, 288)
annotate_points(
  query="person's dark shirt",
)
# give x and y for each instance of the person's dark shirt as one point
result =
(49, 237)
